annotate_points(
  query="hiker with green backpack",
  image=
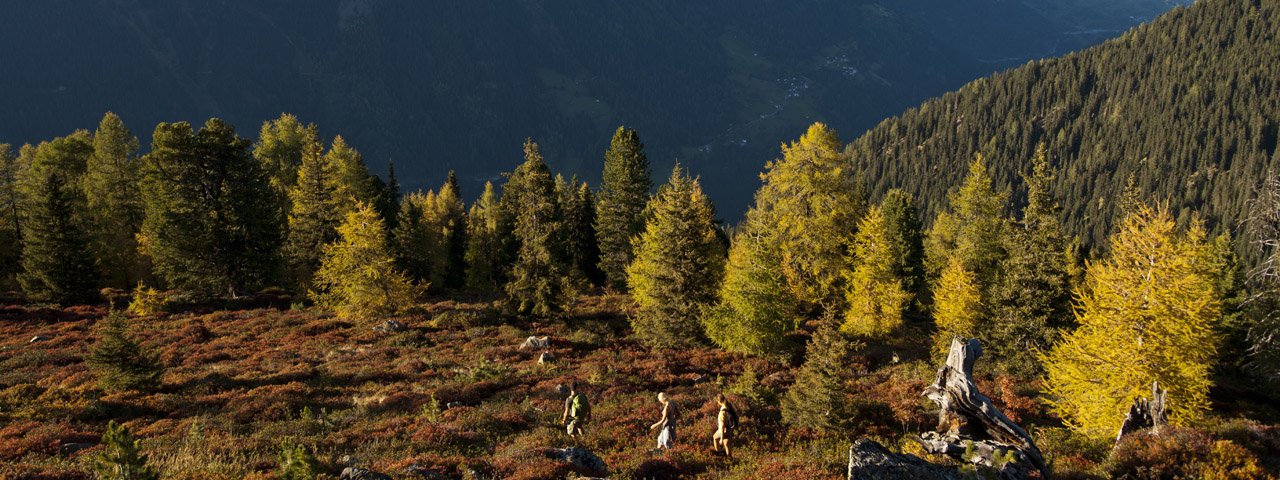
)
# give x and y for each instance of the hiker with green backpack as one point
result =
(577, 411)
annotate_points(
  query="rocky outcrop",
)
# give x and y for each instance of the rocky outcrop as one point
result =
(579, 457)
(356, 473)
(869, 460)
(536, 342)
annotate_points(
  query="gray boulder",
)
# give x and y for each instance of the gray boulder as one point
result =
(869, 460)
(390, 326)
(354, 473)
(580, 457)
(545, 358)
(536, 342)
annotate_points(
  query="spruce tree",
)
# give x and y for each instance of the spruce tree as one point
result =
(1147, 313)
(483, 244)
(57, 258)
(119, 361)
(358, 278)
(678, 265)
(902, 222)
(818, 400)
(296, 461)
(1032, 300)
(537, 283)
(450, 219)
(756, 309)
(313, 215)
(580, 229)
(10, 225)
(388, 202)
(414, 240)
(811, 198)
(121, 457)
(114, 203)
(620, 211)
(877, 297)
(207, 228)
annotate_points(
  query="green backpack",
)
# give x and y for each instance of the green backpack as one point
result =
(580, 408)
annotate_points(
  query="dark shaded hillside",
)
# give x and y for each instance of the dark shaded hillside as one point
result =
(459, 85)
(1188, 106)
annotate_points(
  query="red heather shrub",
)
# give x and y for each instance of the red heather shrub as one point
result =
(270, 402)
(19, 438)
(1182, 453)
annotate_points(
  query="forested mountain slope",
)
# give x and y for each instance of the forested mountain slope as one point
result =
(458, 85)
(1187, 106)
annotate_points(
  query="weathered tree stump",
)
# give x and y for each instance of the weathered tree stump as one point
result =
(1146, 414)
(970, 428)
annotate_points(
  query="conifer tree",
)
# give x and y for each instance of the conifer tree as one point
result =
(358, 278)
(620, 212)
(281, 148)
(756, 309)
(207, 229)
(1147, 314)
(813, 201)
(580, 228)
(121, 457)
(354, 182)
(973, 228)
(296, 461)
(57, 260)
(877, 298)
(414, 238)
(817, 400)
(1032, 300)
(957, 307)
(450, 221)
(537, 282)
(114, 203)
(389, 200)
(483, 244)
(313, 216)
(119, 361)
(902, 224)
(10, 225)
(679, 261)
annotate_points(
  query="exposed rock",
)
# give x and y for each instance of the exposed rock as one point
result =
(536, 342)
(418, 470)
(970, 428)
(355, 473)
(70, 448)
(390, 326)
(580, 457)
(1146, 414)
(546, 357)
(453, 405)
(40, 338)
(869, 460)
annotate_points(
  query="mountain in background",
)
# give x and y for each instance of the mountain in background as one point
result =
(1186, 109)
(436, 86)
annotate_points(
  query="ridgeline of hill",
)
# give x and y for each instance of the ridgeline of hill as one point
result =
(436, 87)
(1188, 107)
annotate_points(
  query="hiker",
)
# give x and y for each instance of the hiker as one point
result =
(667, 436)
(577, 411)
(726, 423)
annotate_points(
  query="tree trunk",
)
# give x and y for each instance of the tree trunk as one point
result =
(1146, 414)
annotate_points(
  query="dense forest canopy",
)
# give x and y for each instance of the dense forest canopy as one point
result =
(1187, 108)
(438, 87)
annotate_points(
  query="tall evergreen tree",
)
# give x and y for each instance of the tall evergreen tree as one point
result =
(1147, 314)
(357, 276)
(902, 224)
(811, 198)
(620, 212)
(451, 223)
(414, 240)
(877, 297)
(756, 309)
(537, 282)
(973, 228)
(114, 203)
(483, 245)
(818, 400)
(678, 265)
(580, 229)
(207, 229)
(10, 223)
(355, 183)
(1032, 300)
(313, 216)
(57, 258)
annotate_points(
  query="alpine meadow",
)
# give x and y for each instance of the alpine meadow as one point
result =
(652, 240)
